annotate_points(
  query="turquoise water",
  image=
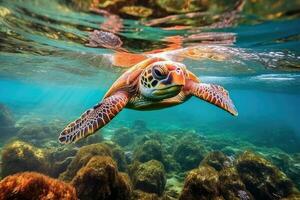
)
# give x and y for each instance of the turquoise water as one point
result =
(48, 74)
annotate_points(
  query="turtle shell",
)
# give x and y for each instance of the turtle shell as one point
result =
(127, 81)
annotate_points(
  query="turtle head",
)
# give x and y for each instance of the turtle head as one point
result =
(162, 79)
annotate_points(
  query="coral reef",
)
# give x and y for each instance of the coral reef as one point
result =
(288, 163)
(150, 136)
(219, 143)
(293, 171)
(231, 186)
(124, 186)
(189, 153)
(217, 160)
(38, 135)
(19, 156)
(150, 150)
(60, 158)
(201, 183)
(140, 195)
(292, 197)
(93, 139)
(82, 157)
(30, 185)
(139, 127)
(150, 177)
(173, 187)
(250, 177)
(157, 166)
(118, 155)
(123, 137)
(261, 178)
(99, 179)
(170, 163)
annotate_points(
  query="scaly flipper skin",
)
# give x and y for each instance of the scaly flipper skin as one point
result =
(213, 94)
(94, 118)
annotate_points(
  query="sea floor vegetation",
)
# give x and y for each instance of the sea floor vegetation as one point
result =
(131, 163)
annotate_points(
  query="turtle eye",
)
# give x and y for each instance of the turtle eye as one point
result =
(159, 73)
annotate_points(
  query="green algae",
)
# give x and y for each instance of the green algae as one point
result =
(150, 177)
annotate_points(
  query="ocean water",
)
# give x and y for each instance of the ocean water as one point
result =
(48, 73)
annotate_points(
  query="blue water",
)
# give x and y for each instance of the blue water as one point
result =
(257, 107)
(47, 73)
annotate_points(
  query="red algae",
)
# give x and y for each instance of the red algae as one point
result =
(32, 185)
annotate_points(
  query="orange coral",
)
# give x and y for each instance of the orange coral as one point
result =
(32, 185)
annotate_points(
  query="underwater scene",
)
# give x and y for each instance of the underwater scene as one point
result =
(149, 100)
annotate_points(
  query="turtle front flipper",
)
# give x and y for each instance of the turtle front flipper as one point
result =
(94, 118)
(213, 94)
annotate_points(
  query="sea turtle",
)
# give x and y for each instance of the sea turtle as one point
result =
(154, 83)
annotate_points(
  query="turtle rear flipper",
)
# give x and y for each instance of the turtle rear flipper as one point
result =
(94, 118)
(213, 94)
